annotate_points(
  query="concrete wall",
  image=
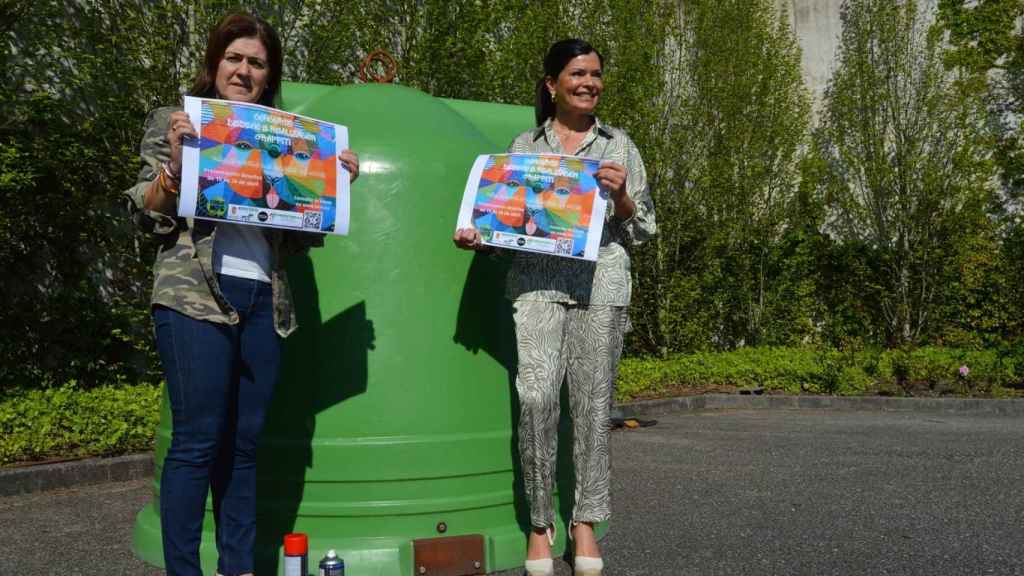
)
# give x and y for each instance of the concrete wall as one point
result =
(817, 27)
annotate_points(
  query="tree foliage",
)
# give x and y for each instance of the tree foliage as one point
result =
(986, 46)
(73, 105)
(908, 158)
(75, 277)
(871, 229)
(737, 122)
(983, 34)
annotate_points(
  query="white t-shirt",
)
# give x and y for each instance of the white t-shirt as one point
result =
(241, 251)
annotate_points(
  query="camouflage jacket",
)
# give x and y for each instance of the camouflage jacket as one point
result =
(606, 282)
(183, 276)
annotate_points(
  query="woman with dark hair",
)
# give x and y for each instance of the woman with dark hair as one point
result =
(571, 315)
(221, 305)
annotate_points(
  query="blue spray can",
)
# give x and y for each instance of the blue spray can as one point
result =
(331, 565)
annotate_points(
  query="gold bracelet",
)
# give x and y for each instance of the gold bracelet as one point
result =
(167, 171)
(166, 183)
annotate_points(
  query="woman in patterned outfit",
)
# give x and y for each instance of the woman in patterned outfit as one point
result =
(221, 305)
(571, 315)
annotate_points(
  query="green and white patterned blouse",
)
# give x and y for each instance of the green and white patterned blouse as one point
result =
(540, 277)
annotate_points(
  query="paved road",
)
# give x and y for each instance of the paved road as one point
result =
(769, 492)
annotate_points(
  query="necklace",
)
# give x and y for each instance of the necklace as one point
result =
(569, 138)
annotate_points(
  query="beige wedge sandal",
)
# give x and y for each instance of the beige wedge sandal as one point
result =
(585, 565)
(543, 566)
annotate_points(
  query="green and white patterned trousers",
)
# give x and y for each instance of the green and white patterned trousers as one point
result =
(580, 345)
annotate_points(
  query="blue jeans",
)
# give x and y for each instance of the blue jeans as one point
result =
(220, 379)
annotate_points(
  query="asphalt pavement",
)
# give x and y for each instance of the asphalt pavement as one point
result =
(724, 492)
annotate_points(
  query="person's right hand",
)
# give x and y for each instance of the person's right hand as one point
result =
(179, 127)
(468, 239)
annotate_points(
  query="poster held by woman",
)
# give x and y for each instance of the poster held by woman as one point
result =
(256, 165)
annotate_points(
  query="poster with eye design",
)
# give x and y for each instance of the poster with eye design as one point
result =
(545, 203)
(257, 165)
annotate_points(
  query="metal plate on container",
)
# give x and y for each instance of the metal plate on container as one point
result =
(449, 556)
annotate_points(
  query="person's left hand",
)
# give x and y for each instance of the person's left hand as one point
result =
(612, 177)
(349, 161)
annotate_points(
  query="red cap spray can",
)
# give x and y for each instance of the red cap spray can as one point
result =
(296, 555)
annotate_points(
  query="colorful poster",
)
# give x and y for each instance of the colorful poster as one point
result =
(546, 203)
(258, 165)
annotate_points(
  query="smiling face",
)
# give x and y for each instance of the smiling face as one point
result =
(579, 85)
(243, 72)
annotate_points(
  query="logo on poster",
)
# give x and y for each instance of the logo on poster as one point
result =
(217, 207)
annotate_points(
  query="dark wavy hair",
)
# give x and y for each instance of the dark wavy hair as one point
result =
(229, 29)
(560, 54)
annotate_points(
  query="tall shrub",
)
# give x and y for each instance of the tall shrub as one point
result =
(74, 287)
(738, 120)
(985, 45)
(908, 158)
(985, 48)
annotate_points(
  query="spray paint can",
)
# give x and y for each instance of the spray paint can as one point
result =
(331, 565)
(296, 555)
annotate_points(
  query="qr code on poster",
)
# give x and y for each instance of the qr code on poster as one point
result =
(563, 246)
(311, 220)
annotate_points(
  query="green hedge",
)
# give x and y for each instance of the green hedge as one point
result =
(70, 422)
(924, 371)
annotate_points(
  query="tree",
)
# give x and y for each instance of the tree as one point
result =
(983, 34)
(986, 46)
(739, 123)
(908, 157)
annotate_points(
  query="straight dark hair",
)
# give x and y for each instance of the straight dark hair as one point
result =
(231, 28)
(560, 54)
